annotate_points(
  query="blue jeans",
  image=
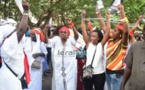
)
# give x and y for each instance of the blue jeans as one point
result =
(45, 66)
(114, 81)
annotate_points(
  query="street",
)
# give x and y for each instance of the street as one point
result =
(47, 82)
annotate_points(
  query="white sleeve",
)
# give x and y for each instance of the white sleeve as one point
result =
(11, 45)
(43, 48)
(7, 30)
(51, 42)
(73, 41)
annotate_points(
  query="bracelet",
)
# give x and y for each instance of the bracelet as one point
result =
(124, 20)
(71, 25)
(26, 14)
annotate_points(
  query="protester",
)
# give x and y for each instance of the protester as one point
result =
(81, 59)
(37, 50)
(14, 59)
(6, 29)
(23, 51)
(50, 34)
(115, 53)
(96, 42)
(64, 59)
(135, 69)
(132, 38)
(44, 62)
(138, 37)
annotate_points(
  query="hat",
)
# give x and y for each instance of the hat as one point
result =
(119, 27)
(65, 29)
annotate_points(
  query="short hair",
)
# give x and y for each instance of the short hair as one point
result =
(56, 32)
(100, 35)
(80, 30)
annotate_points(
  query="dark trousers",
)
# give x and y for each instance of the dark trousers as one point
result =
(0, 64)
(97, 80)
(48, 55)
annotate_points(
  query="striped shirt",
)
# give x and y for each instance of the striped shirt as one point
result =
(115, 54)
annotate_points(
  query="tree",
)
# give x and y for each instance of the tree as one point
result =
(43, 10)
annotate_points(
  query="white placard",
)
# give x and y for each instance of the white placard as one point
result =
(100, 4)
(19, 4)
(114, 6)
(116, 2)
(50, 21)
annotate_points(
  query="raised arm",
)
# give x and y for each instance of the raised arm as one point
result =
(83, 27)
(132, 30)
(107, 32)
(90, 26)
(139, 28)
(101, 22)
(46, 28)
(125, 25)
(121, 9)
(136, 24)
(74, 28)
(22, 27)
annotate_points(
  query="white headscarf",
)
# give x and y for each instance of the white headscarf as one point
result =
(7, 28)
(36, 48)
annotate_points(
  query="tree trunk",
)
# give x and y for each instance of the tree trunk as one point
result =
(40, 20)
(47, 18)
(63, 19)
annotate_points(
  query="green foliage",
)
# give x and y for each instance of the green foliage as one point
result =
(43, 10)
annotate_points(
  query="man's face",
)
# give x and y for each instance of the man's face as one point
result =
(63, 34)
(33, 37)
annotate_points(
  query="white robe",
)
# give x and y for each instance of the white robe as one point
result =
(70, 64)
(35, 74)
(5, 31)
(12, 54)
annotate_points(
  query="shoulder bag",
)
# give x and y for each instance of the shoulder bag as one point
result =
(87, 72)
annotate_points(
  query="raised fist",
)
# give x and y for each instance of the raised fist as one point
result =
(120, 7)
(25, 5)
(107, 14)
(83, 14)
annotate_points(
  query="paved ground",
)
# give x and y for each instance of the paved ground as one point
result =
(47, 82)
